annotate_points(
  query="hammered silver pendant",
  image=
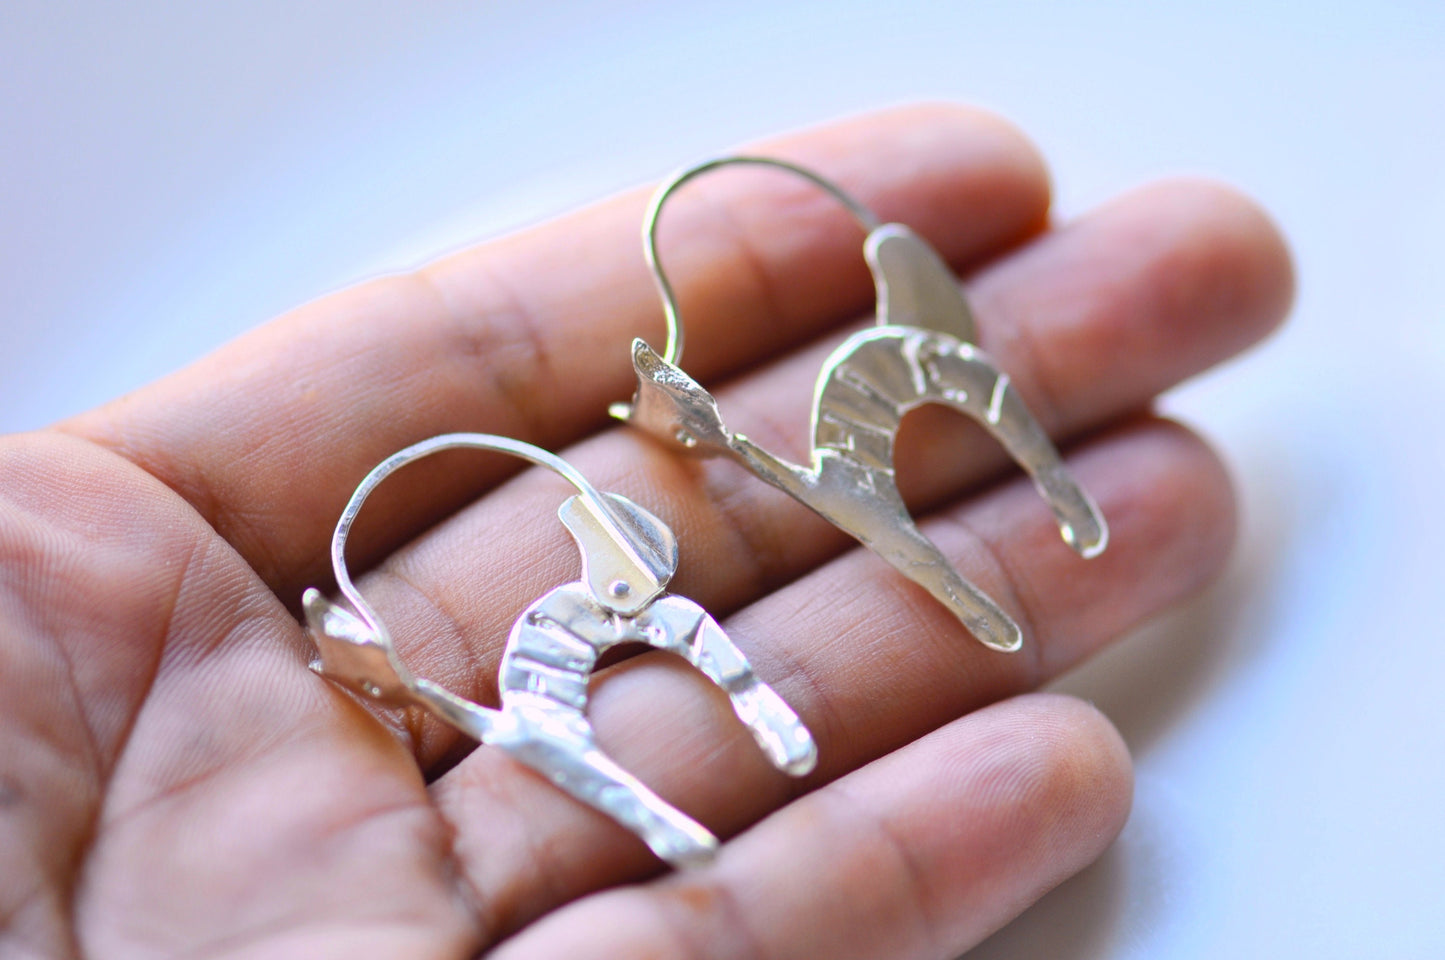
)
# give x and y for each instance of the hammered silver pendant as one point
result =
(920, 352)
(628, 557)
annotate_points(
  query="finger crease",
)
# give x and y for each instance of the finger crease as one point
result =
(506, 344)
(719, 898)
(737, 515)
(1009, 578)
(753, 262)
(413, 721)
(914, 876)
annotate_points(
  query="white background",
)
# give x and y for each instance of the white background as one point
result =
(172, 173)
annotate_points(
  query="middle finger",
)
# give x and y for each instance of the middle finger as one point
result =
(1147, 290)
(528, 335)
(867, 659)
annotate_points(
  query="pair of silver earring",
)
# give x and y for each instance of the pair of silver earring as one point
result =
(920, 351)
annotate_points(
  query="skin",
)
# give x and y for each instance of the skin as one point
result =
(175, 782)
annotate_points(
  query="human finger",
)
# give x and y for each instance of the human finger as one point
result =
(1091, 321)
(173, 780)
(922, 853)
(528, 336)
(868, 660)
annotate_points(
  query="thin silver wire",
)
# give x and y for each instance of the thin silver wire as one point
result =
(673, 354)
(446, 441)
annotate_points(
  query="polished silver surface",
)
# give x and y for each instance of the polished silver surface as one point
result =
(919, 352)
(628, 557)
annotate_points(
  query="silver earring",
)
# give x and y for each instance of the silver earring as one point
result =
(628, 557)
(921, 351)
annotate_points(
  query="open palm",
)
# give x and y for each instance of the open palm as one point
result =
(174, 781)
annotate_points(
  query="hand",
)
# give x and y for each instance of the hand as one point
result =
(173, 780)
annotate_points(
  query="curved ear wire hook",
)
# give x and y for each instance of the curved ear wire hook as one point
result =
(628, 556)
(646, 553)
(920, 351)
(673, 353)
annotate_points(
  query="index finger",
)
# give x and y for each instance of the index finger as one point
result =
(528, 336)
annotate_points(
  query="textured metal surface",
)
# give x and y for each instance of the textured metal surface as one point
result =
(920, 352)
(628, 558)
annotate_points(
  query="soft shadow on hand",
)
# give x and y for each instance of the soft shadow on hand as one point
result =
(1147, 684)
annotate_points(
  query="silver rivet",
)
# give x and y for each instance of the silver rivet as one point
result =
(619, 588)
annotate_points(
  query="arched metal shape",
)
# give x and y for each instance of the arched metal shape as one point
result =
(628, 557)
(920, 351)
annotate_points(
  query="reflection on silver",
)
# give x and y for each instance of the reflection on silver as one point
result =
(921, 351)
(628, 557)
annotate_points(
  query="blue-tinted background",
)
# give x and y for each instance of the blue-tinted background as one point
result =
(172, 173)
